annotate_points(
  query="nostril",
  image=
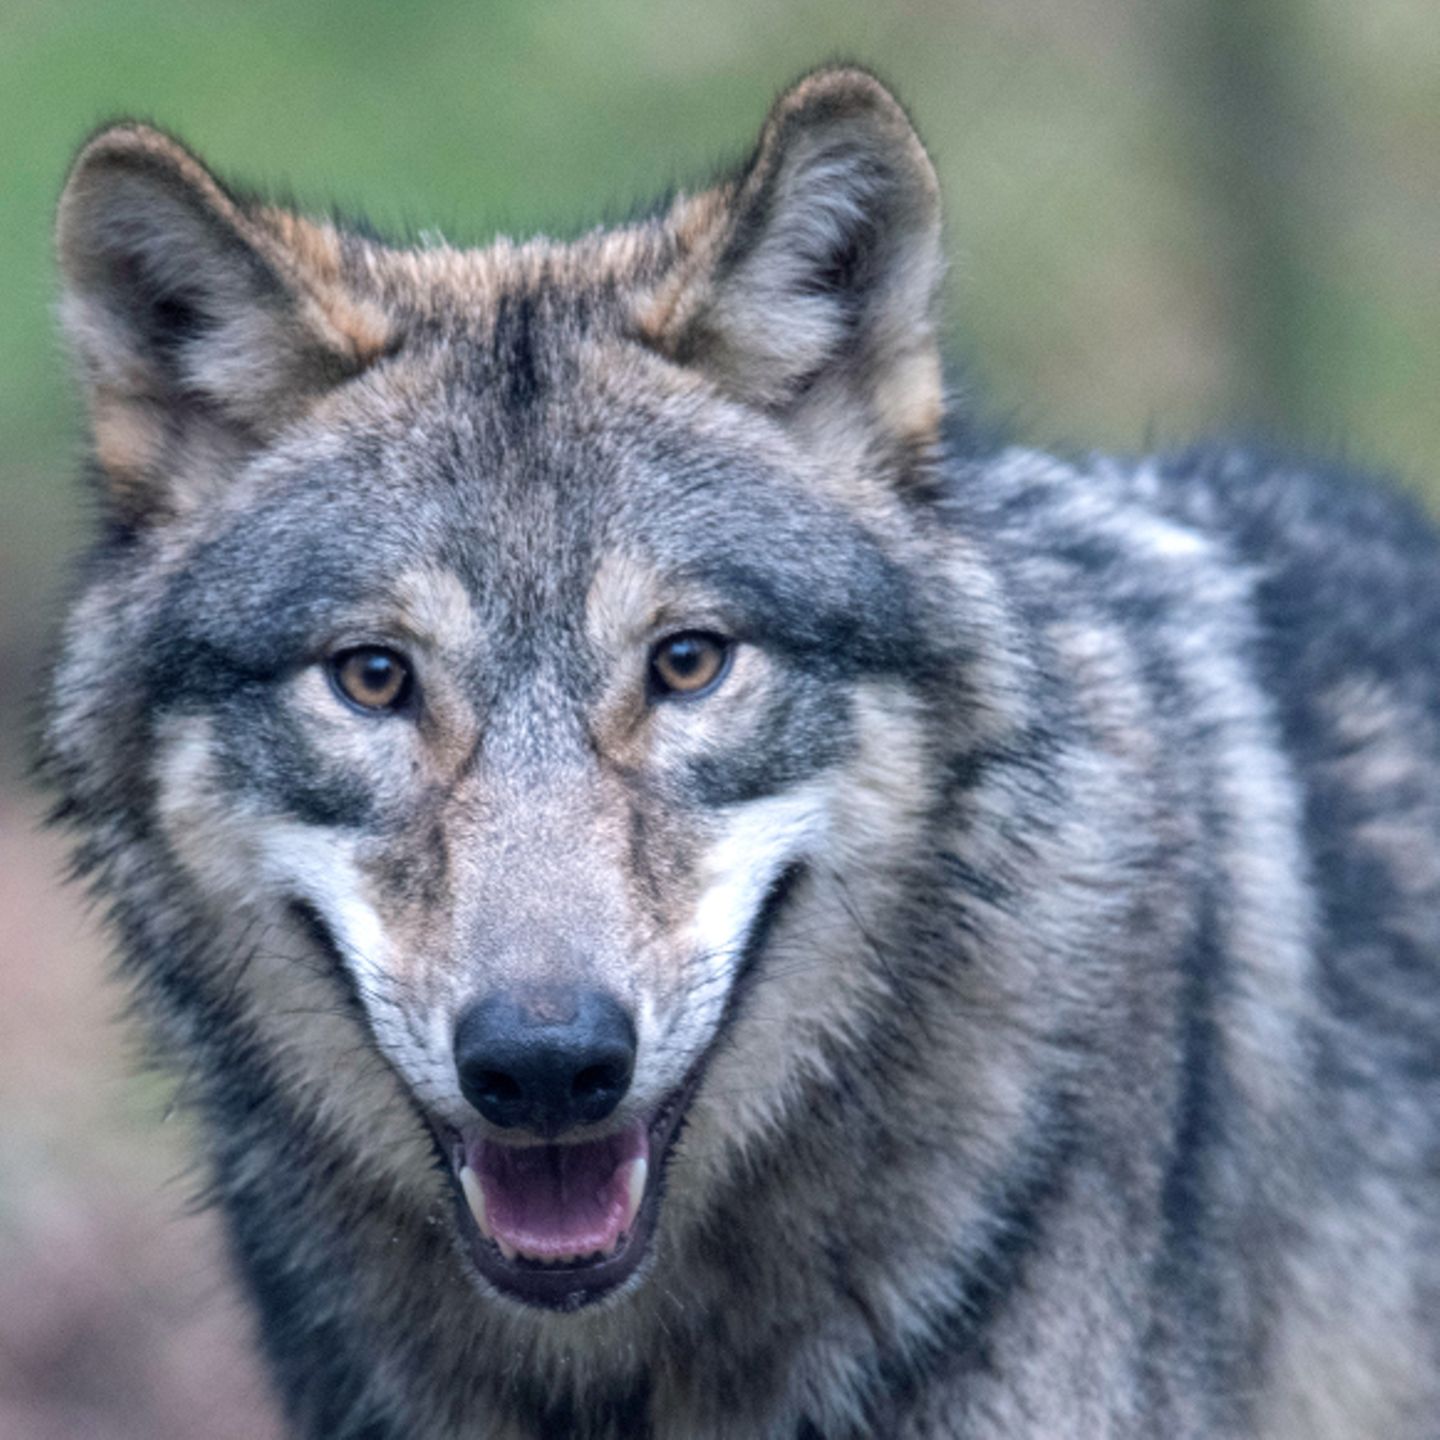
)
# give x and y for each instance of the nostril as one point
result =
(497, 1087)
(595, 1080)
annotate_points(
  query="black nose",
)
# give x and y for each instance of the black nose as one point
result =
(545, 1062)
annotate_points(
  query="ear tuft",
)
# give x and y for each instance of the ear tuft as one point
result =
(202, 325)
(812, 275)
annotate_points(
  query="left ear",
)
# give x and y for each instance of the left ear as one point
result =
(808, 283)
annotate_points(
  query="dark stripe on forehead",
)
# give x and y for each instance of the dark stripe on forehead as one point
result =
(513, 343)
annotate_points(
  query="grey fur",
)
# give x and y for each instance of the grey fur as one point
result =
(1049, 895)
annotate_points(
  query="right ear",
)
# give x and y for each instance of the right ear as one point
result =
(202, 325)
(805, 285)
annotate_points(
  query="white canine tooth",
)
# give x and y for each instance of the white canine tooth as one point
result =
(475, 1197)
(635, 1190)
(508, 1251)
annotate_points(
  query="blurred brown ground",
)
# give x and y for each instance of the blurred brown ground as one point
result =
(116, 1320)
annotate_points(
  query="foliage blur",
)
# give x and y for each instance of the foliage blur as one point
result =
(1209, 215)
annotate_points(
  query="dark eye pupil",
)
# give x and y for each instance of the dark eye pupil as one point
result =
(684, 657)
(377, 673)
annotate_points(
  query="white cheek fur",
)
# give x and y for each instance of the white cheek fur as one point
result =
(759, 841)
(238, 856)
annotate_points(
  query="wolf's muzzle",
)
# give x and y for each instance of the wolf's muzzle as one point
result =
(546, 1062)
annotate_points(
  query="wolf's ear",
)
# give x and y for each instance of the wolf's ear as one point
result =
(202, 325)
(808, 283)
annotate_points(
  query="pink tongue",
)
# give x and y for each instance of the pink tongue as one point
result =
(550, 1200)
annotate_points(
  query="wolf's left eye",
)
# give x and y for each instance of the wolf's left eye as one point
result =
(371, 677)
(689, 663)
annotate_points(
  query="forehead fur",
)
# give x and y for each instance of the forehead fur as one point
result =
(463, 288)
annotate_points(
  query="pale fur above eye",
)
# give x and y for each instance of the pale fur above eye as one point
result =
(372, 677)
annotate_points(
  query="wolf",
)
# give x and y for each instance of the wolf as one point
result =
(695, 893)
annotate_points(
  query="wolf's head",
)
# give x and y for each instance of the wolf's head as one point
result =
(511, 662)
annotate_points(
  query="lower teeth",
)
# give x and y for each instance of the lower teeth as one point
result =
(589, 1257)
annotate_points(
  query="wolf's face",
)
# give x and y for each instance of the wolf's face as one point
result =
(528, 648)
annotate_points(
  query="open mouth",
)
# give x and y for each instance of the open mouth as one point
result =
(563, 1225)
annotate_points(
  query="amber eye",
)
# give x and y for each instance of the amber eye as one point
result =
(372, 678)
(688, 664)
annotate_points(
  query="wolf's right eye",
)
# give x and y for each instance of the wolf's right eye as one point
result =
(688, 664)
(371, 677)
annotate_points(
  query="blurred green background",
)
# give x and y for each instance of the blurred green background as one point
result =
(1163, 219)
